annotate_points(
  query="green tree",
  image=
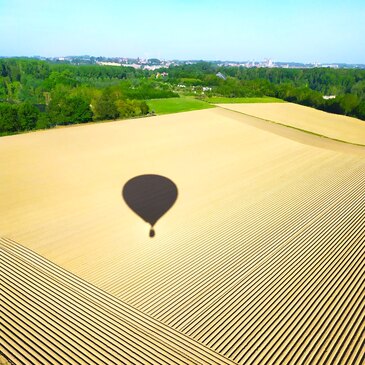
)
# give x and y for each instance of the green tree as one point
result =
(78, 110)
(59, 78)
(144, 108)
(8, 118)
(360, 110)
(104, 107)
(43, 121)
(27, 116)
(126, 108)
(349, 102)
(69, 110)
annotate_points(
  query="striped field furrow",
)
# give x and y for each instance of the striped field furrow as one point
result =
(50, 316)
(259, 261)
(299, 282)
(258, 230)
(266, 310)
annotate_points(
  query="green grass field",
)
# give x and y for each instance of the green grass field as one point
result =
(176, 105)
(223, 100)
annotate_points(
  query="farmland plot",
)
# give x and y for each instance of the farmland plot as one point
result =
(258, 261)
(330, 125)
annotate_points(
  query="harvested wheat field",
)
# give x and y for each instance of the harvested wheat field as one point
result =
(334, 126)
(259, 260)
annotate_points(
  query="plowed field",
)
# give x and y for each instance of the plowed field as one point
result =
(330, 125)
(260, 260)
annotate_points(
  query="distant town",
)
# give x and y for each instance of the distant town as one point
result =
(155, 63)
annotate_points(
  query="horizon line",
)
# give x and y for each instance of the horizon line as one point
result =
(187, 59)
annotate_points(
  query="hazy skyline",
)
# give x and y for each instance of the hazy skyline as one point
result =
(310, 31)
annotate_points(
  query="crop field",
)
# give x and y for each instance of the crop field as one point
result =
(259, 261)
(176, 105)
(330, 125)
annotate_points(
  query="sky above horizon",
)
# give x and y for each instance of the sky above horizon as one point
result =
(290, 30)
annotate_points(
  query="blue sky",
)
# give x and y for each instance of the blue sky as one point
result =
(289, 30)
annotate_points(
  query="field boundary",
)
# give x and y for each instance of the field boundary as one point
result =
(244, 100)
(296, 128)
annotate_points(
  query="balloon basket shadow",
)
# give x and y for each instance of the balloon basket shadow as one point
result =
(150, 197)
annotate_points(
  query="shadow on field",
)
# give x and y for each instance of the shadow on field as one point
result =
(150, 196)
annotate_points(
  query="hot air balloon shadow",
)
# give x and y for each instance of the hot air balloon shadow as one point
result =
(150, 196)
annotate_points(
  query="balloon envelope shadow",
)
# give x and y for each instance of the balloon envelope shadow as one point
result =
(150, 196)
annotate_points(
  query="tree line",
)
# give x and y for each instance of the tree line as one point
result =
(37, 94)
(302, 86)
